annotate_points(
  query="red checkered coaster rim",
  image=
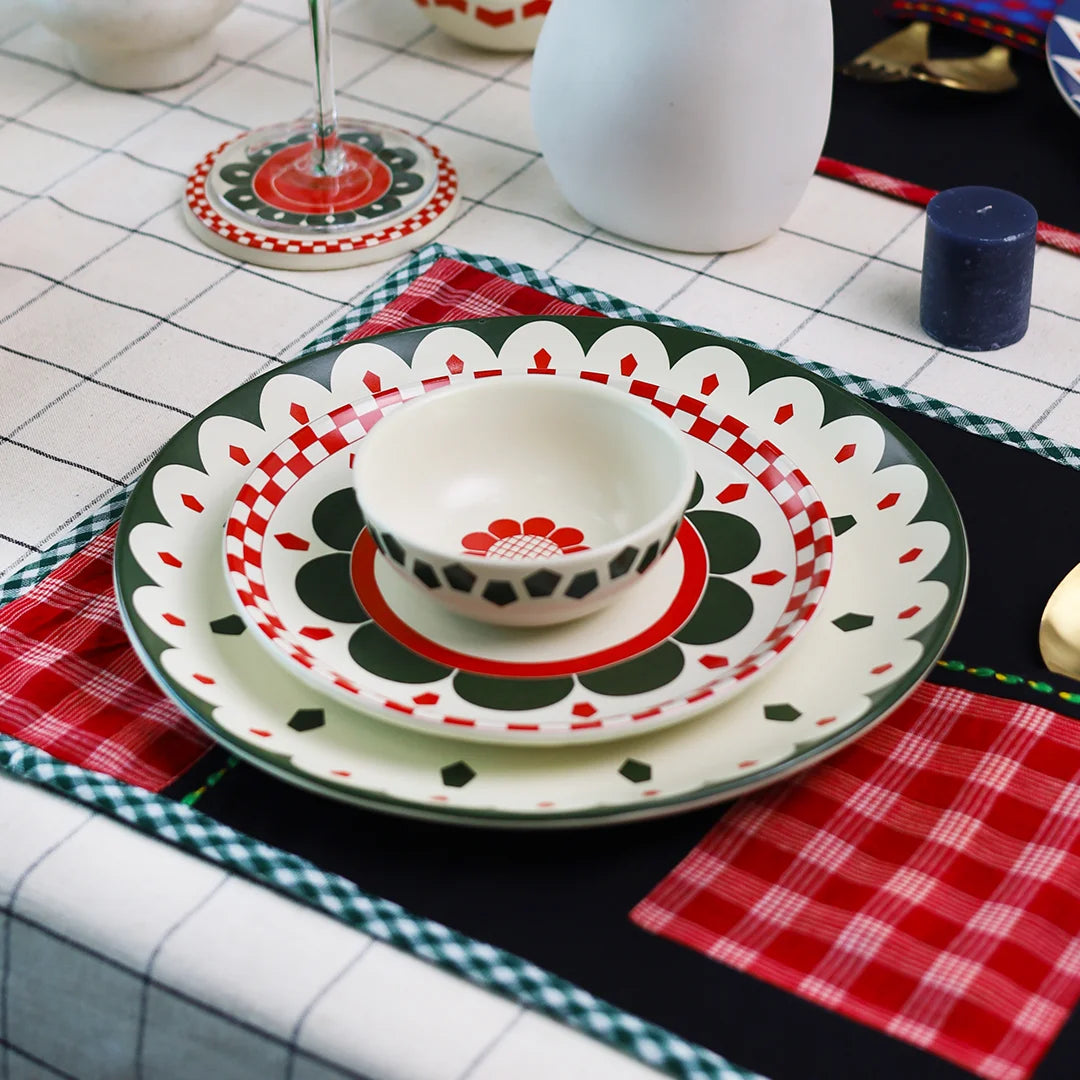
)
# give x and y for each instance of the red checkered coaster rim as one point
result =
(250, 523)
(442, 198)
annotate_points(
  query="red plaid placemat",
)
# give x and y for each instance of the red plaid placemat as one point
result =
(925, 881)
(70, 682)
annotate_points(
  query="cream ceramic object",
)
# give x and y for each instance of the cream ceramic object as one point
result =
(1059, 629)
(693, 125)
(506, 27)
(536, 501)
(136, 44)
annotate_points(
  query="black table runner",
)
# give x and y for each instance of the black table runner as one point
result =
(1026, 140)
(562, 898)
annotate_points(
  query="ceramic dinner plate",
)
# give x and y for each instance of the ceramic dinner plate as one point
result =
(737, 586)
(896, 588)
(1063, 52)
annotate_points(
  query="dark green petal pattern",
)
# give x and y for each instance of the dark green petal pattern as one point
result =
(724, 610)
(639, 674)
(337, 520)
(493, 692)
(731, 541)
(325, 586)
(376, 651)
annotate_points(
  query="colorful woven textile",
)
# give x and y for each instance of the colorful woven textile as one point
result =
(925, 881)
(1016, 22)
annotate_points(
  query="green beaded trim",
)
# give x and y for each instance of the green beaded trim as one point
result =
(192, 797)
(1009, 680)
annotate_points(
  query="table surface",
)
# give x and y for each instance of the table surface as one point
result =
(112, 315)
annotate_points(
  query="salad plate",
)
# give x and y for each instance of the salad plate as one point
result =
(896, 587)
(1063, 52)
(734, 588)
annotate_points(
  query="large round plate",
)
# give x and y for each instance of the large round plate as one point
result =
(739, 586)
(896, 589)
(1063, 52)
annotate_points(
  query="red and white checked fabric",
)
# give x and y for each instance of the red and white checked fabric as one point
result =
(925, 881)
(71, 684)
(451, 290)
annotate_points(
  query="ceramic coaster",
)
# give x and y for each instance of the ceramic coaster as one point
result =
(895, 592)
(745, 575)
(399, 194)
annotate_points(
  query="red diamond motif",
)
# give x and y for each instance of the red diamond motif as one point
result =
(372, 381)
(292, 541)
(890, 500)
(455, 365)
(768, 577)
(908, 612)
(911, 556)
(584, 709)
(880, 669)
(169, 559)
(709, 384)
(711, 662)
(846, 451)
(173, 620)
(316, 633)
(298, 413)
(732, 493)
(784, 414)
(192, 503)
(542, 358)
(628, 364)
(239, 454)
(426, 699)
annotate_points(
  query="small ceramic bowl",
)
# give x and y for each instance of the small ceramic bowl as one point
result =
(523, 501)
(502, 25)
(136, 44)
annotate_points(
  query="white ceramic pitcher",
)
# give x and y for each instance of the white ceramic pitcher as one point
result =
(693, 125)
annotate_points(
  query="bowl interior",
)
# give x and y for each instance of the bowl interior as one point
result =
(582, 456)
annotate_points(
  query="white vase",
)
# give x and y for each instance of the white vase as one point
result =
(693, 125)
(136, 44)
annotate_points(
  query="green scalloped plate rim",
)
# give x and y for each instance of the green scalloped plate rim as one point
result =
(762, 367)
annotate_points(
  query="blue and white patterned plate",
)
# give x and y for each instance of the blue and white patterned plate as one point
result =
(1063, 52)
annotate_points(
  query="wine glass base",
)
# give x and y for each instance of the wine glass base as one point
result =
(256, 198)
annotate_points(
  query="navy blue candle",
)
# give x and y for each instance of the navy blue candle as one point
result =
(977, 267)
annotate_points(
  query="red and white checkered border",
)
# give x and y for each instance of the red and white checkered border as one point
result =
(199, 204)
(249, 524)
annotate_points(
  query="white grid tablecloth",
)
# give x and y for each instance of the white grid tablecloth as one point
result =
(117, 326)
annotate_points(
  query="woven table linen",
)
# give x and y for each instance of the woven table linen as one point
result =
(925, 880)
(1021, 23)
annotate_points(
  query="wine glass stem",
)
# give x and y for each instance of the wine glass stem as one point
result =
(327, 159)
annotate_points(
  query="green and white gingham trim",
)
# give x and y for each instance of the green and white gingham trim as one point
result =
(869, 389)
(488, 967)
(34, 569)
